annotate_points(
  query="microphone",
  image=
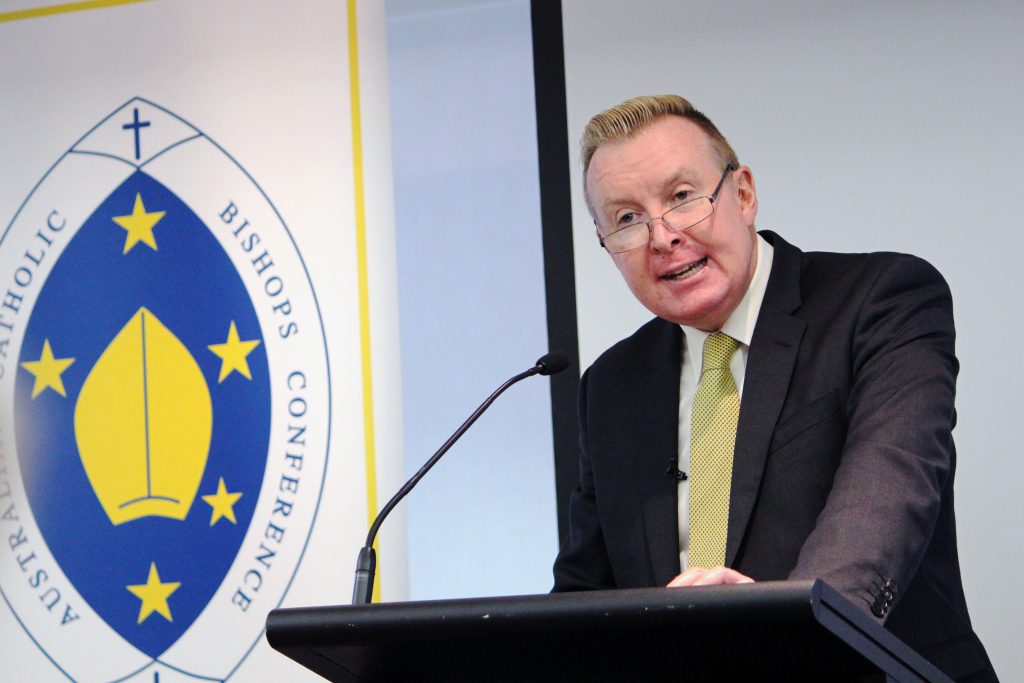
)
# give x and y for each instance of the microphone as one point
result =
(674, 471)
(552, 363)
(366, 563)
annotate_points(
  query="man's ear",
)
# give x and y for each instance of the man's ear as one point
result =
(746, 193)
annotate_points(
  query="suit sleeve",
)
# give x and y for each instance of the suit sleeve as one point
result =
(582, 562)
(896, 464)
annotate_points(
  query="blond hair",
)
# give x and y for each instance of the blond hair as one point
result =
(632, 116)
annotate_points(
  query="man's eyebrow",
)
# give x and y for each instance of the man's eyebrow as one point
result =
(682, 174)
(612, 202)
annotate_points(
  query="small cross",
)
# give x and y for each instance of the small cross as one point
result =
(136, 125)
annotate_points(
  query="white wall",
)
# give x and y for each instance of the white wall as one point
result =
(471, 295)
(869, 126)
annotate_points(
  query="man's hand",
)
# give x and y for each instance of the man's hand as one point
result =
(716, 576)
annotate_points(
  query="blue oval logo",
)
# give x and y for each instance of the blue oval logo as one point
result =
(164, 355)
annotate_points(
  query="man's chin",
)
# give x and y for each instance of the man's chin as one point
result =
(709, 318)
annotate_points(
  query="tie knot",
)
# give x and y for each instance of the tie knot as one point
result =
(718, 350)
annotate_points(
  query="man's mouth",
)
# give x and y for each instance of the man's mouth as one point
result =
(687, 271)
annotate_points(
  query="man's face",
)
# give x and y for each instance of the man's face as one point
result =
(696, 277)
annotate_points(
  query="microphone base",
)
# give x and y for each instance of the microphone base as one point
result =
(366, 568)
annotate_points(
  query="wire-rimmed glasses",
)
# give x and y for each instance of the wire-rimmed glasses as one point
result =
(680, 217)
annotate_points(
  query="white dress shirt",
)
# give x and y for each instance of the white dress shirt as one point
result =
(740, 326)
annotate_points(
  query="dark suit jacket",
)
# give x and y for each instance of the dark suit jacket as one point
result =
(844, 460)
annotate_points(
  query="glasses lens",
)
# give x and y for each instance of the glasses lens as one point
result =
(689, 214)
(628, 238)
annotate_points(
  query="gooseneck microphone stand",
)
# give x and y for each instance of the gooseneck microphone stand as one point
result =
(366, 564)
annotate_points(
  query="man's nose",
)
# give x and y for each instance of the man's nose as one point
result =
(663, 238)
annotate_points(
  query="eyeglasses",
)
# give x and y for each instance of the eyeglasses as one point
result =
(680, 217)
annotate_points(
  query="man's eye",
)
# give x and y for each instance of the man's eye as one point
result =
(626, 219)
(682, 195)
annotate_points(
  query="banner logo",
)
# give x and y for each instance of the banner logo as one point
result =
(164, 405)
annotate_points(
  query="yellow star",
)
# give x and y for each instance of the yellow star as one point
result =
(154, 594)
(233, 354)
(47, 371)
(222, 503)
(139, 225)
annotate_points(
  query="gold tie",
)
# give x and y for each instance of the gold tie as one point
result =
(716, 411)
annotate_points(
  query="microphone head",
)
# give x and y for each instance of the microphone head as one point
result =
(552, 362)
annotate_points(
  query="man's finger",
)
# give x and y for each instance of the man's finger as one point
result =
(687, 578)
(720, 576)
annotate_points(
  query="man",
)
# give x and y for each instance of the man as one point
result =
(802, 403)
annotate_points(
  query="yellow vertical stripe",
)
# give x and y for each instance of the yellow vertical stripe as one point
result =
(361, 267)
(62, 8)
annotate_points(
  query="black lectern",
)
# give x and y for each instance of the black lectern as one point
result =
(772, 631)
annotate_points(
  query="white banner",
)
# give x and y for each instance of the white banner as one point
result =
(191, 373)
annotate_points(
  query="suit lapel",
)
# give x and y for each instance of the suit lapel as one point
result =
(656, 442)
(773, 352)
